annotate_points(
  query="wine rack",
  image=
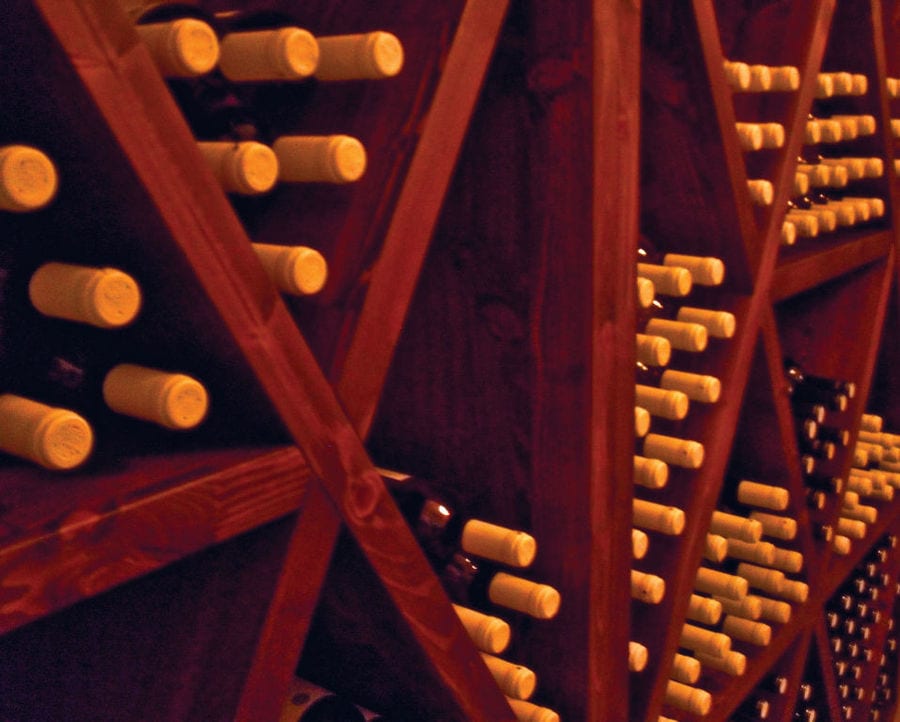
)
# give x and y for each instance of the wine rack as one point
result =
(477, 329)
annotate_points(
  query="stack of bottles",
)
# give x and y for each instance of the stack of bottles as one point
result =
(872, 480)
(822, 424)
(53, 385)
(215, 63)
(472, 558)
(822, 199)
(856, 617)
(760, 136)
(742, 588)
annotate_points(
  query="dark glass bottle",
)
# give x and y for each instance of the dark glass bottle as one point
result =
(443, 529)
(307, 702)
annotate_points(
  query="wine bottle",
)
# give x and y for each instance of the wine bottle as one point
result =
(177, 35)
(442, 529)
(307, 702)
(650, 473)
(705, 610)
(243, 167)
(773, 525)
(690, 699)
(296, 270)
(641, 422)
(739, 527)
(720, 584)
(765, 496)
(697, 639)
(732, 663)
(488, 633)
(28, 179)
(652, 351)
(701, 270)
(662, 402)
(697, 387)
(756, 633)
(750, 607)
(528, 712)
(657, 517)
(55, 438)
(647, 588)
(674, 451)
(359, 56)
(101, 297)
(637, 657)
(480, 584)
(685, 669)
(514, 680)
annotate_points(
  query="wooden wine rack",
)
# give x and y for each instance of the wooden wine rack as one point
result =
(477, 328)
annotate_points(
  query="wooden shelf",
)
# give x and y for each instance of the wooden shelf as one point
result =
(476, 329)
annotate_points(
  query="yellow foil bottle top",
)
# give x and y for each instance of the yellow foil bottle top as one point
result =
(320, 158)
(183, 48)
(173, 400)
(653, 350)
(513, 679)
(269, 55)
(540, 601)
(697, 387)
(55, 438)
(298, 270)
(102, 297)
(363, 56)
(28, 179)
(489, 634)
(528, 712)
(705, 270)
(247, 168)
(491, 541)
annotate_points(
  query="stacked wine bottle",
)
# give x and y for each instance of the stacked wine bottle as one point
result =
(472, 558)
(823, 199)
(217, 65)
(857, 617)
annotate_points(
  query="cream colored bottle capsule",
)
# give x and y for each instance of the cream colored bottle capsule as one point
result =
(851, 528)
(683, 336)
(514, 680)
(842, 82)
(662, 402)
(183, 48)
(826, 220)
(528, 712)
(667, 280)
(760, 79)
(795, 591)
(246, 168)
(737, 74)
(650, 473)
(704, 610)
(749, 607)
(757, 552)
(824, 86)
(54, 438)
(720, 584)
(361, 56)
(657, 517)
(746, 630)
(646, 292)
(871, 422)
(762, 192)
(788, 560)
(785, 78)
(678, 452)
(765, 496)
(861, 512)
(699, 639)
(28, 179)
(860, 84)
(102, 297)
(540, 601)
(697, 387)
(750, 136)
(508, 546)
(732, 663)
(805, 226)
(788, 232)
(488, 634)
(685, 669)
(641, 421)
(637, 657)
(297, 270)
(320, 158)
(774, 610)
(173, 400)
(778, 527)
(841, 544)
(640, 542)
(718, 324)
(715, 548)
(647, 588)
(801, 184)
(763, 578)
(288, 53)
(732, 525)
(652, 350)
(856, 167)
(705, 270)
